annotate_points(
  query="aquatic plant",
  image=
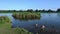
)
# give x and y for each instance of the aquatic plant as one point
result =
(27, 15)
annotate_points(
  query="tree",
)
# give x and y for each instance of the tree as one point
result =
(14, 10)
(43, 10)
(58, 10)
(36, 10)
(50, 10)
(29, 10)
(40, 10)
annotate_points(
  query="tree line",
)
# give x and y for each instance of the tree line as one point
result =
(31, 10)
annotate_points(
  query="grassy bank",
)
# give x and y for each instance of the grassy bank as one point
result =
(4, 19)
(26, 15)
(5, 27)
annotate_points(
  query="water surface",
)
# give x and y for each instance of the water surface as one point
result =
(47, 19)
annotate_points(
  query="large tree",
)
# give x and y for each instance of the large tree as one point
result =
(36, 10)
(58, 10)
(30, 10)
(50, 10)
(43, 10)
(40, 10)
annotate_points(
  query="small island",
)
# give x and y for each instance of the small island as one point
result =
(26, 15)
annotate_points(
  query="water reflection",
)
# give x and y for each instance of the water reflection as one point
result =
(58, 14)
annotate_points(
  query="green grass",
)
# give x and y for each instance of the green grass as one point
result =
(5, 27)
(4, 19)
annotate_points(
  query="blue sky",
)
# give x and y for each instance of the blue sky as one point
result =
(29, 4)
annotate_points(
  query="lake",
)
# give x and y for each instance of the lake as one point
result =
(50, 20)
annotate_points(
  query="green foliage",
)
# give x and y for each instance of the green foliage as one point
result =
(26, 15)
(4, 19)
(30, 10)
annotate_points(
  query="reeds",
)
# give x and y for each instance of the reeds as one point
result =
(26, 15)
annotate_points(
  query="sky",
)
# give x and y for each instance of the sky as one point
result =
(29, 4)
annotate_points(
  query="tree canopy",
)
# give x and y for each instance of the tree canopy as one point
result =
(58, 10)
(30, 10)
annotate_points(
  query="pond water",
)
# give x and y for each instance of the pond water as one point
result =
(47, 19)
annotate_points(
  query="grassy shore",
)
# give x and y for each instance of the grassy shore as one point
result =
(5, 27)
